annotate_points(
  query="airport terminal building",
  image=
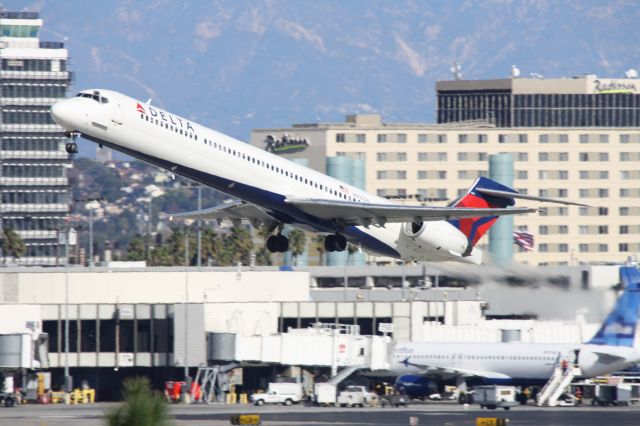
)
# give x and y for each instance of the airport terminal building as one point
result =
(157, 321)
(592, 163)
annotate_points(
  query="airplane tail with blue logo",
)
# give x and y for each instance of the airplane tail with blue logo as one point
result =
(619, 328)
(482, 195)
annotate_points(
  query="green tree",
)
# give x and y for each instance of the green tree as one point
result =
(136, 249)
(297, 244)
(319, 245)
(236, 246)
(12, 244)
(141, 407)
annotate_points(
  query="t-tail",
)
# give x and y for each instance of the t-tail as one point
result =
(481, 195)
(619, 328)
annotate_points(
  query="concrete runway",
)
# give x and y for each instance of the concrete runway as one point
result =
(449, 414)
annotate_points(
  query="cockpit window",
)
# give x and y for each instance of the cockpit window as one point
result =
(95, 96)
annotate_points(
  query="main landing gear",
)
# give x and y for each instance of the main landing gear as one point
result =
(277, 243)
(335, 242)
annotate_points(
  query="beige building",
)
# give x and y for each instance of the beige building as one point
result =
(437, 162)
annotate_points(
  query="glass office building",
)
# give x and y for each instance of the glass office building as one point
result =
(34, 187)
(586, 101)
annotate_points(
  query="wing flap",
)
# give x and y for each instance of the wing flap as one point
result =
(357, 213)
(234, 211)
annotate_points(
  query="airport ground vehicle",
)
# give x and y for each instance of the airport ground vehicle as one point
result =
(606, 395)
(325, 394)
(279, 393)
(7, 399)
(355, 396)
(493, 397)
(394, 400)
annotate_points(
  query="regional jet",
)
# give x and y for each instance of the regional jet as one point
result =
(423, 367)
(272, 191)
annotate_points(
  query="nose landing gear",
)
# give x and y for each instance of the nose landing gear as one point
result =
(71, 147)
(335, 242)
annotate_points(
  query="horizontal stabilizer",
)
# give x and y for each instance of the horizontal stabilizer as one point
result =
(508, 194)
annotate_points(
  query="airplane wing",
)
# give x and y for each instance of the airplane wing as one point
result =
(234, 211)
(448, 372)
(357, 213)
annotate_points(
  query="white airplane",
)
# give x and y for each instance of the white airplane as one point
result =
(273, 191)
(423, 367)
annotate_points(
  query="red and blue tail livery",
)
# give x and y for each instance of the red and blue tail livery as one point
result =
(475, 227)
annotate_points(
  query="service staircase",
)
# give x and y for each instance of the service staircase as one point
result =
(212, 382)
(344, 373)
(556, 385)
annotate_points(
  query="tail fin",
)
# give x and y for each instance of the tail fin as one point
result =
(474, 228)
(619, 328)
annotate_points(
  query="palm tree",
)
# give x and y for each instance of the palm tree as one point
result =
(297, 244)
(141, 407)
(12, 244)
(319, 244)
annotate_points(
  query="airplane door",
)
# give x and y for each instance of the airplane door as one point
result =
(116, 112)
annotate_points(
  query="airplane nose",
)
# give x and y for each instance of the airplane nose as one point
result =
(60, 111)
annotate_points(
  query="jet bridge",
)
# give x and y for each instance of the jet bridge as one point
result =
(322, 345)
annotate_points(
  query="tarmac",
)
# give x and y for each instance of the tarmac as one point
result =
(449, 414)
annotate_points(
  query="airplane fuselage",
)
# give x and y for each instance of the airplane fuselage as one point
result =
(510, 362)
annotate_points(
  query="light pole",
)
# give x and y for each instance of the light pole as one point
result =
(186, 302)
(67, 378)
(199, 227)
(90, 238)
(149, 231)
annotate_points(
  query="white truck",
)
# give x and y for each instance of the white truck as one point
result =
(279, 393)
(356, 396)
(493, 397)
(324, 394)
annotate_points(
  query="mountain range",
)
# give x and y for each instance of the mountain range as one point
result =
(240, 64)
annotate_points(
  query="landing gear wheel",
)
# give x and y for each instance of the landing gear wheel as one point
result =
(283, 243)
(329, 243)
(277, 244)
(335, 242)
(71, 147)
(272, 244)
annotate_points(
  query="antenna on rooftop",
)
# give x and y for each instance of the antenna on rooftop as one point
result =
(515, 72)
(456, 69)
(631, 73)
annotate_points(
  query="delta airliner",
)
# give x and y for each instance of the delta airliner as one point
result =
(273, 191)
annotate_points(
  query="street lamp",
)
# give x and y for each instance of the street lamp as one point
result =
(186, 302)
(68, 233)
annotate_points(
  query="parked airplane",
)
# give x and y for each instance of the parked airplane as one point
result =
(273, 191)
(424, 366)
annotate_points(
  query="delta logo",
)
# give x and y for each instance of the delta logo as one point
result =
(166, 117)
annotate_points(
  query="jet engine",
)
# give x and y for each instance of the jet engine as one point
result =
(416, 386)
(437, 240)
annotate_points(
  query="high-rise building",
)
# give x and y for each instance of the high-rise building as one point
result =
(584, 101)
(34, 166)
